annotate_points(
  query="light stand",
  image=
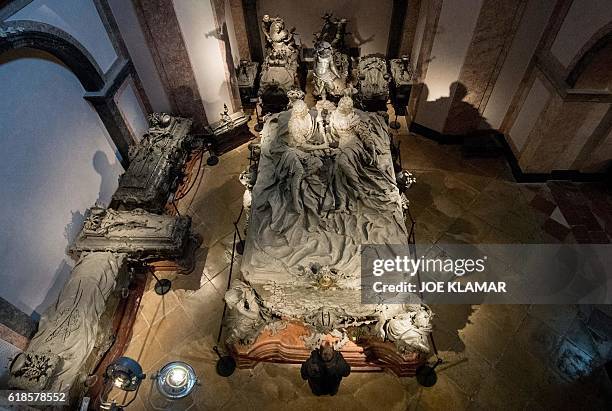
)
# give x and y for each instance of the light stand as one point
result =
(162, 286)
(212, 159)
(426, 374)
(241, 242)
(226, 364)
(395, 125)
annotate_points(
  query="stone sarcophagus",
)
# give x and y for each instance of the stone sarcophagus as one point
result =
(155, 165)
(402, 75)
(229, 131)
(247, 78)
(75, 332)
(373, 83)
(137, 233)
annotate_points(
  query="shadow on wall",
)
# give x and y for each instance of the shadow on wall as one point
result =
(460, 117)
(107, 172)
(108, 184)
(232, 86)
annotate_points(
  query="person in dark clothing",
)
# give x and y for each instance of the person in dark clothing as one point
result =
(324, 370)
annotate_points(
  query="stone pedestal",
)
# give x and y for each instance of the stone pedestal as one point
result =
(367, 354)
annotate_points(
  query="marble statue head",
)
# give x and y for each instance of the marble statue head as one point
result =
(324, 49)
(299, 109)
(277, 25)
(345, 105)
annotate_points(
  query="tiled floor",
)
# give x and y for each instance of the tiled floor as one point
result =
(495, 356)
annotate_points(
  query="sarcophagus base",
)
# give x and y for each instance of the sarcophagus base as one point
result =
(287, 346)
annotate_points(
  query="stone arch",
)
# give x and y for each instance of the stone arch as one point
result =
(29, 34)
(601, 39)
(99, 90)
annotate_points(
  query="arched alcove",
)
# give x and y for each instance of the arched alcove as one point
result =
(18, 34)
(28, 34)
(593, 51)
(56, 160)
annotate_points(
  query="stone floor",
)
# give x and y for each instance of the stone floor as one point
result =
(495, 356)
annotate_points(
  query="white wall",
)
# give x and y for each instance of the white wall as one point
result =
(369, 20)
(131, 109)
(229, 19)
(536, 100)
(532, 25)
(584, 18)
(80, 19)
(419, 32)
(127, 20)
(453, 36)
(197, 23)
(56, 160)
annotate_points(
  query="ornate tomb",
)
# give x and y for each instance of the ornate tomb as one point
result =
(373, 84)
(325, 184)
(155, 165)
(75, 332)
(137, 232)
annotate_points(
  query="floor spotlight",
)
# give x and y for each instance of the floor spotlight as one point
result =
(125, 374)
(176, 380)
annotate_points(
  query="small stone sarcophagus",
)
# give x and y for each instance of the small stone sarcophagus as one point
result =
(402, 74)
(373, 83)
(155, 164)
(137, 233)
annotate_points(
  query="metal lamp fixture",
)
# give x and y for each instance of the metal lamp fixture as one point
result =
(125, 374)
(176, 380)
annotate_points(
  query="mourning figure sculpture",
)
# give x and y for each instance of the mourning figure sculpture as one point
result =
(246, 318)
(281, 61)
(331, 62)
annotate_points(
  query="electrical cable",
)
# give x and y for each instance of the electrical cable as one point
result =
(193, 183)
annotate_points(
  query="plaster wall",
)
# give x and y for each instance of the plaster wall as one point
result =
(534, 104)
(369, 21)
(584, 18)
(453, 36)
(526, 39)
(80, 19)
(231, 32)
(419, 32)
(137, 46)
(56, 160)
(202, 39)
(131, 109)
(600, 157)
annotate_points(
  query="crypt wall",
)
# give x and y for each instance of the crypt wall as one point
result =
(511, 66)
(194, 49)
(68, 116)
